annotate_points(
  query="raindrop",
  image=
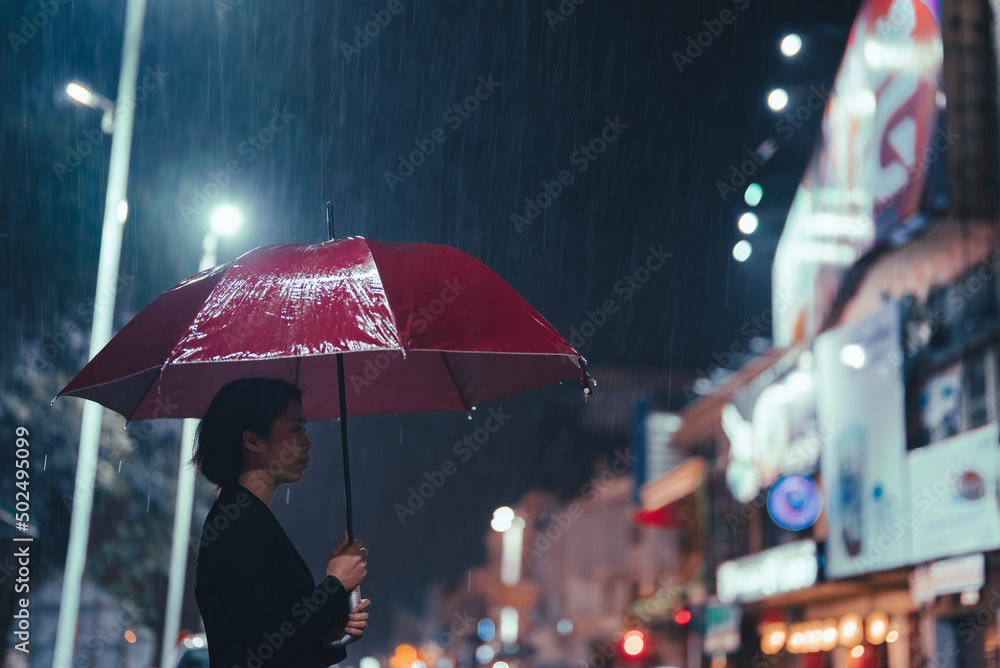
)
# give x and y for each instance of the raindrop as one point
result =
(149, 496)
(400, 433)
(45, 462)
(468, 414)
(288, 494)
(468, 583)
(119, 466)
(473, 408)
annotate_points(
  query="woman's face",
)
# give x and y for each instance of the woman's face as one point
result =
(285, 454)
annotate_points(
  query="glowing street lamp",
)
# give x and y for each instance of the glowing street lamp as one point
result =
(226, 220)
(94, 100)
(791, 45)
(742, 250)
(748, 223)
(777, 99)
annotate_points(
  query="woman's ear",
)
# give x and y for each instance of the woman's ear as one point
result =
(251, 441)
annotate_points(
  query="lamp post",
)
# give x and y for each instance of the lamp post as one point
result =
(226, 220)
(94, 100)
(115, 213)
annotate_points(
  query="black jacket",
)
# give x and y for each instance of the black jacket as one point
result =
(259, 602)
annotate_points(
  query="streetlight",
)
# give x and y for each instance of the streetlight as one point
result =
(742, 250)
(777, 99)
(791, 45)
(226, 221)
(104, 311)
(748, 223)
(95, 101)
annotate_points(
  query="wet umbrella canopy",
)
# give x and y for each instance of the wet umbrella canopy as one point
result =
(561, 144)
(421, 327)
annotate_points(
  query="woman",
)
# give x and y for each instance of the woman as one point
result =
(259, 602)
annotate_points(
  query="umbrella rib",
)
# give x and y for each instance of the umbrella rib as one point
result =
(454, 382)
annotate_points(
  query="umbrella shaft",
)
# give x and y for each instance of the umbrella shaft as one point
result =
(343, 441)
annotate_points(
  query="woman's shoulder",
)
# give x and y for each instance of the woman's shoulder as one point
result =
(236, 517)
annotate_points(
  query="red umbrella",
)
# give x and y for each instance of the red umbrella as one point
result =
(403, 327)
(422, 327)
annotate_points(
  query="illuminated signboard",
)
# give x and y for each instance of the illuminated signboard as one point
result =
(879, 141)
(769, 573)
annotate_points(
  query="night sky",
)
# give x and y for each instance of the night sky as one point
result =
(561, 143)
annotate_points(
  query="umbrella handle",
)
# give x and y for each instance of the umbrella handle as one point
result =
(347, 638)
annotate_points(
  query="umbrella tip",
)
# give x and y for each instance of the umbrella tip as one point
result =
(587, 383)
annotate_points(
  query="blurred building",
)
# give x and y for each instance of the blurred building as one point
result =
(109, 632)
(852, 472)
(588, 573)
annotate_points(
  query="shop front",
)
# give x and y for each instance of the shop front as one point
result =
(793, 618)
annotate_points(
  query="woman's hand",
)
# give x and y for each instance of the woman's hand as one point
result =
(357, 622)
(347, 563)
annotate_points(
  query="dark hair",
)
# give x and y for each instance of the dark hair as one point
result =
(247, 403)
